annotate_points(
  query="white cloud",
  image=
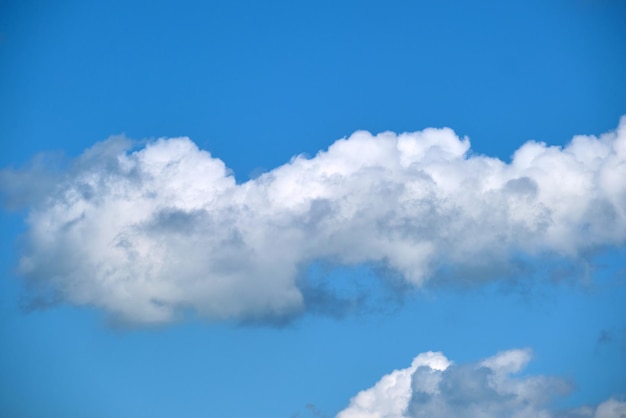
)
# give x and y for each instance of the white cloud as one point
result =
(611, 409)
(434, 387)
(390, 397)
(165, 229)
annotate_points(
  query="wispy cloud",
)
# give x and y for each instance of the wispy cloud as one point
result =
(435, 387)
(148, 233)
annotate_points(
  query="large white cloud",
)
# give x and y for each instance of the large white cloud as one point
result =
(434, 387)
(150, 233)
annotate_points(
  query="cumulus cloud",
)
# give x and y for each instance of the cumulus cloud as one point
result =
(147, 234)
(434, 387)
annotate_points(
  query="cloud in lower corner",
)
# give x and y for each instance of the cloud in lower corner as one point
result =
(435, 387)
(150, 232)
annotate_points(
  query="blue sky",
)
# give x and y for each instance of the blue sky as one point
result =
(249, 282)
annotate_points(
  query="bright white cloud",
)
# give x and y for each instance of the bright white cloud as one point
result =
(434, 387)
(390, 397)
(165, 228)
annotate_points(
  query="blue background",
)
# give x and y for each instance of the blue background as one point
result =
(255, 83)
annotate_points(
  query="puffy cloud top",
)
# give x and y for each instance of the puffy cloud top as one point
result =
(150, 233)
(434, 387)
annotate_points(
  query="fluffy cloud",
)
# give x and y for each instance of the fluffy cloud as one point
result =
(149, 233)
(434, 387)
